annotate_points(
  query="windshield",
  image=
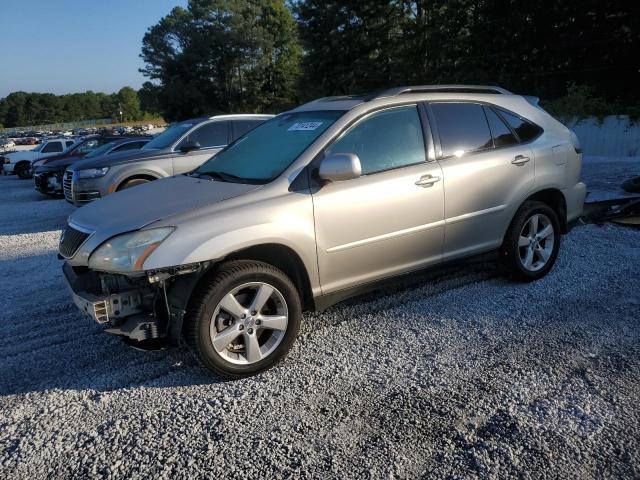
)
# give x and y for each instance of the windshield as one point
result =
(169, 136)
(101, 150)
(266, 151)
(38, 148)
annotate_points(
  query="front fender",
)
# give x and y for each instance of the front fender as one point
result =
(286, 220)
(122, 175)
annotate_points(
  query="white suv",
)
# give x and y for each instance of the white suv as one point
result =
(20, 162)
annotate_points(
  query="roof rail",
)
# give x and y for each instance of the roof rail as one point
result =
(393, 92)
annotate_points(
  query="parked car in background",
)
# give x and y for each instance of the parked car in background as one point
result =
(48, 175)
(180, 148)
(319, 204)
(20, 162)
(7, 143)
(78, 150)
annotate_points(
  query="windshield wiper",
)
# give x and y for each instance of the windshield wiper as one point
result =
(223, 176)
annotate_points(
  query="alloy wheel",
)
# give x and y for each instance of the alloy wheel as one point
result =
(249, 323)
(536, 242)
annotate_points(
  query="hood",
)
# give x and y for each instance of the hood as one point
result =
(62, 156)
(119, 158)
(22, 155)
(57, 164)
(133, 208)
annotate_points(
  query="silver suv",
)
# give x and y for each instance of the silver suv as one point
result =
(180, 148)
(318, 204)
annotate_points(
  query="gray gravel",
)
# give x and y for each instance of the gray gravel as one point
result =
(465, 375)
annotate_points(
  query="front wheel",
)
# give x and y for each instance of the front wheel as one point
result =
(23, 171)
(531, 245)
(244, 320)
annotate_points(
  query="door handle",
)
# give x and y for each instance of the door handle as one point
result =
(520, 160)
(427, 181)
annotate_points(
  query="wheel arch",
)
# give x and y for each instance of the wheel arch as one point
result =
(555, 199)
(136, 176)
(20, 163)
(182, 293)
(284, 258)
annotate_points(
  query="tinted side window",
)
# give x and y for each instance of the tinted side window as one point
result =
(212, 134)
(527, 131)
(69, 144)
(462, 128)
(130, 146)
(502, 135)
(240, 127)
(52, 147)
(88, 146)
(387, 139)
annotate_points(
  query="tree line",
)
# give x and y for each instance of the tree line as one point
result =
(266, 55)
(228, 56)
(24, 109)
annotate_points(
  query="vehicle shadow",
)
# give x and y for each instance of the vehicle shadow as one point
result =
(47, 344)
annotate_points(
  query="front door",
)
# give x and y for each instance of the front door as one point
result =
(389, 220)
(212, 137)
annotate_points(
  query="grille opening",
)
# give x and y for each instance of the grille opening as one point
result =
(71, 241)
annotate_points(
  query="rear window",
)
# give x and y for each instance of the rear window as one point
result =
(525, 130)
(462, 128)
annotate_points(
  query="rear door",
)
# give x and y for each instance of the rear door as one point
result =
(486, 170)
(212, 137)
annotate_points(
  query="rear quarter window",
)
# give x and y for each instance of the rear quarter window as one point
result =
(525, 129)
(502, 134)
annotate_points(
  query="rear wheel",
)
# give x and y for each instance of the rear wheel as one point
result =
(245, 320)
(531, 245)
(132, 183)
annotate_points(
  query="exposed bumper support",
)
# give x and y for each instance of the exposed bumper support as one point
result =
(124, 311)
(147, 312)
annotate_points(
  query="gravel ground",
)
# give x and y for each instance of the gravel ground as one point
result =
(465, 375)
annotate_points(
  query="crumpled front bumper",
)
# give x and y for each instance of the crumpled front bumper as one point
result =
(48, 182)
(127, 313)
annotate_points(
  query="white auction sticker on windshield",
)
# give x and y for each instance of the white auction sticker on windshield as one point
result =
(304, 126)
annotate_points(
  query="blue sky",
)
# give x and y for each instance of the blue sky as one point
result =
(65, 46)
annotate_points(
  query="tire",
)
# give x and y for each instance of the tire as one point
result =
(207, 319)
(632, 185)
(526, 262)
(23, 170)
(133, 183)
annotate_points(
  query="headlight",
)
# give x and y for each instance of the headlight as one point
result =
(92, 172)
(126, 253)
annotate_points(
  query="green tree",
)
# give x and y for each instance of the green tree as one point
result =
(130, 103)
(350, 46)
(223, 56)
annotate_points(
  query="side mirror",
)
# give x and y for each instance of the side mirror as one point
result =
(188, 146)
(340, 166)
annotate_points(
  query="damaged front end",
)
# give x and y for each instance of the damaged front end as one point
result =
(146, 310)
